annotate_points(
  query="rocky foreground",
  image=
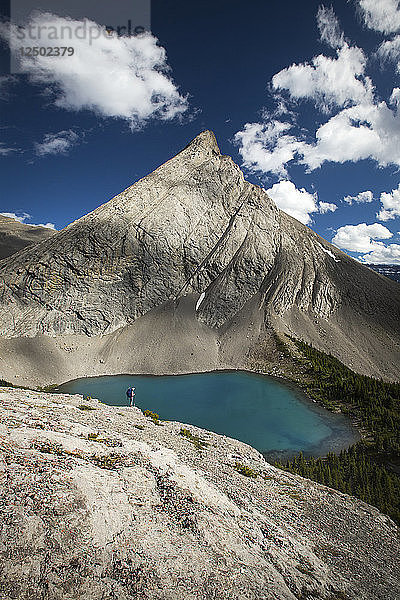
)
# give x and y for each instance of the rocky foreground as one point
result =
(100, 502)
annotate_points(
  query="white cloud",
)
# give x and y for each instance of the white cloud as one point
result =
(390, 50)
(324, 207)
(381, 15)
(389, 254)
(22, 218)
(362, 237)
(47, 225)
(5, 150)
(329, 27)
(395, 97)
(119, 77)
(266, 147)
(390, 205)
(298, 203)
(360, 198)
(57, 143)
(362, 128)
(328, 81)
(356, 133)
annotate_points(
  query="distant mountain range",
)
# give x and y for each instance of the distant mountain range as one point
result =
(391, 271)
(15, 235)
(192, 268)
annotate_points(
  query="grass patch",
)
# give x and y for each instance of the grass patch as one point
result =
(85, 407)
(51, 388)
(244, 470)
(153, 416)
(109, 461)
(113, 443)
(194, 439)
(48, 447)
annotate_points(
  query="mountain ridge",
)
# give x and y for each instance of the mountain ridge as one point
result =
(15, 236)
(193, 228)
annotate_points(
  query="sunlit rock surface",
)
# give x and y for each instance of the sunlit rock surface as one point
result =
(99, 502)
(119, 290)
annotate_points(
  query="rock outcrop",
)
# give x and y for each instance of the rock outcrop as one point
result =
(15, 235)
(192, 268)
(99, 502)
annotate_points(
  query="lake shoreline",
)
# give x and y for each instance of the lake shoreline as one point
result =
(342, 434)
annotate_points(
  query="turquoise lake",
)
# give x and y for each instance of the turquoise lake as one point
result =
(261, 411)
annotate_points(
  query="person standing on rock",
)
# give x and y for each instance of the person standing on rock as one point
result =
(130, 394)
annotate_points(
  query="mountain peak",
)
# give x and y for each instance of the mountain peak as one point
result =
(195, 268)
(204, 142)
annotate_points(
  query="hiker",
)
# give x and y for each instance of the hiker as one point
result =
(130, 394)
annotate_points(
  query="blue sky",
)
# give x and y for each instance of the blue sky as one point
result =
(303, 96)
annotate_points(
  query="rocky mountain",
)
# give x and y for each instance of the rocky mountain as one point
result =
(100, 502)
(15, 235)
(192, 268)
(391, 271)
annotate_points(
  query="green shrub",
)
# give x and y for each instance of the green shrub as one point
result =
(153, 416)
(109, 461)
(244, 470)
(194, 439)
(48, 388)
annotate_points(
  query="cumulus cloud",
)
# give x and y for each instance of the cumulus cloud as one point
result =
(390, 202)
(24, 216)
(56, 143)
(20, 218)
(47, 225)
(360, 198)
(382, 15)
(298, 203)
(325, 207)
(362, 127)
(267, 147)
(362, 237)
(329, 27)
(390, 50)
(356, 133)
(328, 81)
(389, 254)
(118, 77)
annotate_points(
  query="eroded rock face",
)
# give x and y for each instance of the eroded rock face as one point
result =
(104, 503)
(195, 227)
